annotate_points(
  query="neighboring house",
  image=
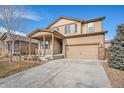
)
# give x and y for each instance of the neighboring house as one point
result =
(72, 37)
(107, 44)
(20, 45)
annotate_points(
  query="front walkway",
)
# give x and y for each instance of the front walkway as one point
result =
(61, 73)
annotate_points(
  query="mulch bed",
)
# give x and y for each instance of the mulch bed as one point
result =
(7, 69)
(115, 76)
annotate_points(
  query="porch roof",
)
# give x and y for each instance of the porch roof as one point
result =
(41, 32)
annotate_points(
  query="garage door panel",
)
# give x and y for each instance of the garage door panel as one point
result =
(84, 51)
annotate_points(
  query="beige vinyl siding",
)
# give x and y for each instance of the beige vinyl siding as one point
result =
(85, 39)
(57, 47)
(97, 27)
(63, 22)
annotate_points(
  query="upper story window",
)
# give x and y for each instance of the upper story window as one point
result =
(90, 27)
(71, 28)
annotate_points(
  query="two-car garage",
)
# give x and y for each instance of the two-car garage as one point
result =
(85, 47)
(88, 51)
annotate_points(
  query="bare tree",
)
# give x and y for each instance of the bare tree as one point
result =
(11, 19)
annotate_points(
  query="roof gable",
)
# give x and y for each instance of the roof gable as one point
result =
(62, 22)
(40, 32)
(66, 18)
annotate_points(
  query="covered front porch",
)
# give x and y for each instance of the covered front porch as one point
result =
(50, 43)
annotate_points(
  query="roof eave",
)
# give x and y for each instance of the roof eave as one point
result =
(44, 30)
(87, 34)
(93, 20)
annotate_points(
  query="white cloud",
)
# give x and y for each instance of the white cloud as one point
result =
(20, 33)
(26, 15)
(31, 17)
(3, 30)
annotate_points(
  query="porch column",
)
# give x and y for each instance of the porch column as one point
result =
(39, 49)
(53, 44)
(29, 47)
(64, 48)
(44, 42)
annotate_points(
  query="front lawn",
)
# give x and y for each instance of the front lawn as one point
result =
(115, 76)
(7, 69)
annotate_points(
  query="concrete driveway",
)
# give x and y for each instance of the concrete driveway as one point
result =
(61, 73)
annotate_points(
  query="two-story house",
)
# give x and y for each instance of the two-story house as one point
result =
(71, 37)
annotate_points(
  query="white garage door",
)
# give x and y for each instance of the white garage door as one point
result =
(82, 51)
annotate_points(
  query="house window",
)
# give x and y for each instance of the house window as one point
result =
(90, 27)
(71, 28)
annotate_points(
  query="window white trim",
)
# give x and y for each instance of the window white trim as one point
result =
(71, 28)
(91, 27)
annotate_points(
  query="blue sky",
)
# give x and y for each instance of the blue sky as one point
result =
(42, 15)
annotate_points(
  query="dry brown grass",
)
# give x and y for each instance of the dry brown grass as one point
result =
(7, 69)
(115, 76)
